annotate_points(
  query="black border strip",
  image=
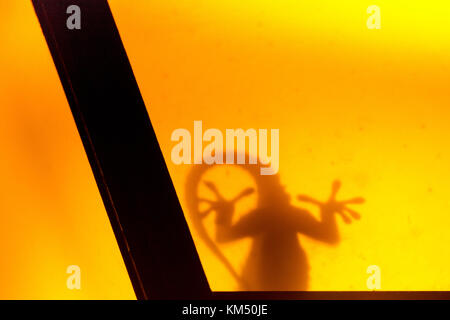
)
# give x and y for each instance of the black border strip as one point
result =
(333, 295)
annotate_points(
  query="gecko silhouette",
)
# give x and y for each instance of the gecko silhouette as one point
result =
(277, 261)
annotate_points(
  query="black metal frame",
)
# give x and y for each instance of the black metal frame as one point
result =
(128, 165)
(123, 151)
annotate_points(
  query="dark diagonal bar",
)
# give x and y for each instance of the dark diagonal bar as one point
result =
(123, 151)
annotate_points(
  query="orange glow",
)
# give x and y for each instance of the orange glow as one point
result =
(369, 107)
(51, 212)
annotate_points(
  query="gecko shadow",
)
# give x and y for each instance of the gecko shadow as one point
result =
(277, 261)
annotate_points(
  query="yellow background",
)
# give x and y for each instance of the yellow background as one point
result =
(369, 107)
